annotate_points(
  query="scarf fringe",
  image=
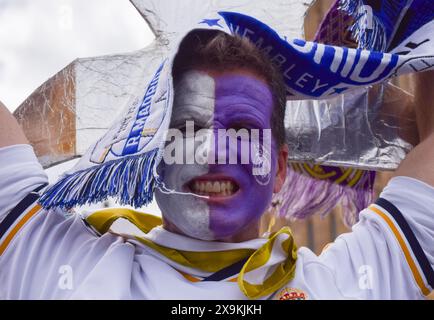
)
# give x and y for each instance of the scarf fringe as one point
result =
(303, 196)
(373, 38)
(129, 180)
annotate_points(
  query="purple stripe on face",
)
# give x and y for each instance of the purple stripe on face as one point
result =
(241, 101)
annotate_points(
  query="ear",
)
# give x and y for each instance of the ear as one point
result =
(282, 166)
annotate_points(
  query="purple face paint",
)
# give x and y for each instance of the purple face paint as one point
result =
(242, 101)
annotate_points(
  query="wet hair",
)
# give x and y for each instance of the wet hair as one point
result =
(218, 51)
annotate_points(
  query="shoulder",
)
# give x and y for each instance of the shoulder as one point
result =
(20, 174)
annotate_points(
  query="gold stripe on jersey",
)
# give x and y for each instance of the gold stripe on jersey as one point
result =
(9, 237)
(410, 261)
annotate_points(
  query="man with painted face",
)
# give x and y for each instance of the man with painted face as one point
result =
(224, 84)
(208, 246)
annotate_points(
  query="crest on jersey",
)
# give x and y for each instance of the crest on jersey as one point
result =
(292, 294)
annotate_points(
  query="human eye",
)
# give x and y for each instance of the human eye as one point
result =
(189, 125)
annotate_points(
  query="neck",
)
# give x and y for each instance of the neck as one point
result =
(249, 232)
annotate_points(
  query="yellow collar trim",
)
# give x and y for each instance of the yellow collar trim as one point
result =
(213, 261)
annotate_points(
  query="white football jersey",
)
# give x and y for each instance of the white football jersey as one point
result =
(55, 254)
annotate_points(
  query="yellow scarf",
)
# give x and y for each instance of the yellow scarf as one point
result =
(260, 275)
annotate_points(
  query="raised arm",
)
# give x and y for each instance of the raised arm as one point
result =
(419, 163)
(390, 253)
(10, 131)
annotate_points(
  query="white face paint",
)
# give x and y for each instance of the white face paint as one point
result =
(194, 100)
(188, 213)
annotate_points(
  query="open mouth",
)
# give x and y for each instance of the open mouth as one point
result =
(213, 186)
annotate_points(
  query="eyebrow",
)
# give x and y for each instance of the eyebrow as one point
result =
(186, 112)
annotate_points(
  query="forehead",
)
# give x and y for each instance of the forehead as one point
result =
(237, 80)
(232, 72)
(212, 93)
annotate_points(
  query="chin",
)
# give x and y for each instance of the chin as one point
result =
(226, 227)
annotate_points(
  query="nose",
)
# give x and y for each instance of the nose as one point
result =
(204, 147)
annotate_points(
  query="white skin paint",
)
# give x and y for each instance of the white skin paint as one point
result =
(194, 99)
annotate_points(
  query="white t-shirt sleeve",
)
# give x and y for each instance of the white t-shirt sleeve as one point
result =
(20, 173)
(390, 253)
(52, 254)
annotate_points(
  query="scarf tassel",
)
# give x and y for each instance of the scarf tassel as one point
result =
(130, 180)
(303, 196)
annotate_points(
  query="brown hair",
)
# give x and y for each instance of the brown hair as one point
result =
(216, 50)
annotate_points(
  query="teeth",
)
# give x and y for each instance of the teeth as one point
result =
(208, 187)
(216, 188)
(224, 187)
